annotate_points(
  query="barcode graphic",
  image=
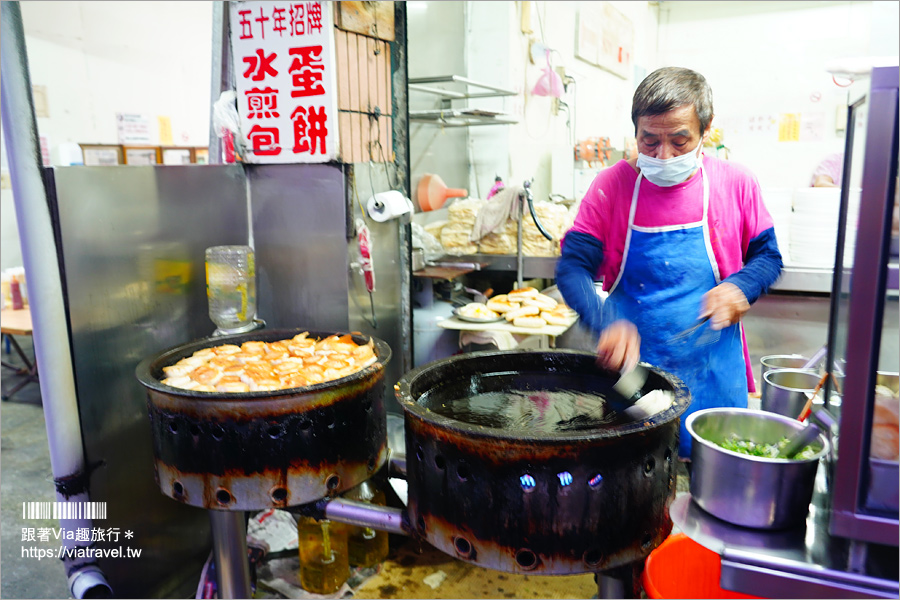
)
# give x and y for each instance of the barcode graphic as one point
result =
(64, 510)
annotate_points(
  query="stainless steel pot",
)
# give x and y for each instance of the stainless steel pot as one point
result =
(765, 493)
(258, 450)
(551, 502)
(786, 391)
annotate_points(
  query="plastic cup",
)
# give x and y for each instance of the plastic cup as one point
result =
(231, 287)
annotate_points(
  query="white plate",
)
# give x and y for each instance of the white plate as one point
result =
(473, 319)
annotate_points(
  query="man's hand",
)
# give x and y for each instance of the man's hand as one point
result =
(619, 346)
(725, 305)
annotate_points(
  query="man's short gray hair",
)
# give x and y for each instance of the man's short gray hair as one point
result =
(671, 87)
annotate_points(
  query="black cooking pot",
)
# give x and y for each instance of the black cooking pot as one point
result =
(514, 493)
(257, 450)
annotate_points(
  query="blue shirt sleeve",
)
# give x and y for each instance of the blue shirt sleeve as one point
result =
(575, 271)
(762, 266)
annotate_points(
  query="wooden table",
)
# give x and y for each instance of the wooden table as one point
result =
(12, 323)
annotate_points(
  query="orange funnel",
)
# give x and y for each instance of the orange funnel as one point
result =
(433, 192)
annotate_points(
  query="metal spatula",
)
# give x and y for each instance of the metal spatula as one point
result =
(799, 440)
(630, 383)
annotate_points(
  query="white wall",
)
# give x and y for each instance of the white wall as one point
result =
(763, 60)
(436, 47)
(766, 59)
(99, 58)
(499, 53)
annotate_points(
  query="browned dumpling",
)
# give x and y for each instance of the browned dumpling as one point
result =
(267, 366)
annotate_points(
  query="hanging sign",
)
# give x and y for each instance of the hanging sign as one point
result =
(284, 70)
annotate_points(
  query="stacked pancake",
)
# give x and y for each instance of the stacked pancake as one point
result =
(526, 307)
(268, 366)
(461, 218)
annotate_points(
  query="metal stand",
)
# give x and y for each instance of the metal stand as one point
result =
(520, 214)
(621, 582)
(229, 532)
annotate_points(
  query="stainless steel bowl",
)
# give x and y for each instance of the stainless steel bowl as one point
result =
(764, 493)
(786, 391)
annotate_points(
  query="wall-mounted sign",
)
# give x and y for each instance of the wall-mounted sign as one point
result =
(284, 70)
(133, 128)
(604, 37)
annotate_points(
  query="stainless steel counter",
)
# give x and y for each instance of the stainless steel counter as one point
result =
(804, 562)
(818, 280)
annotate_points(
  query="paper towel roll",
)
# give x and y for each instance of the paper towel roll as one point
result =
(384, 206)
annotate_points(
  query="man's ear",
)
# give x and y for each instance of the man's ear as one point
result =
(708, 131)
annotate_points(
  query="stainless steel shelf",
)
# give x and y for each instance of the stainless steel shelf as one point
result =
(543, 267)
(804, 279)
(447, 116)
(461, 118)
(819, 280)
(418, 84)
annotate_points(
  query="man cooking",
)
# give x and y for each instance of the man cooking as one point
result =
(678, 237)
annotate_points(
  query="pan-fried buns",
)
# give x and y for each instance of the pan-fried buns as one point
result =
(541, 301)
(554, 318)
(525, 311)
(501, 304)
(520, 294)
(268, 366)
(535, 322)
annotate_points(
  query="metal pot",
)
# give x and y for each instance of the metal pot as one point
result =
(786, 391)
(567, 500)
(752, 491)
(258, 450)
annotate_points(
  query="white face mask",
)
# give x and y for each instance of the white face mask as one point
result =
(666, 172)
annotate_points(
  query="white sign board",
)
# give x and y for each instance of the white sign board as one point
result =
(133, 128)
(284, 70)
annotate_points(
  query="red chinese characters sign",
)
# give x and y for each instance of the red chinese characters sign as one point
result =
(284, 69)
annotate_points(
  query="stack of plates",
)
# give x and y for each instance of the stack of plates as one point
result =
(778, 201)
(814, 226)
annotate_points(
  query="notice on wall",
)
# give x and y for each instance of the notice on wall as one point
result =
(284, 68)
(789, 127)
(165, 131)
(812, 127)
(133, 128)
(604, 37)
(45, 150)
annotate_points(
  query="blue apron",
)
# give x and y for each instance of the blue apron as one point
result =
(665, 272)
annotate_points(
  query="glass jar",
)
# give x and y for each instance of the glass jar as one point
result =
(324, 565)
(231, 287)
(367, 546)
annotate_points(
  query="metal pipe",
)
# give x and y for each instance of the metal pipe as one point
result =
(363, 514)
(221, 73)
(89, 582)
(610, 587)
(520, 259)
(48, 312)
(229, 532)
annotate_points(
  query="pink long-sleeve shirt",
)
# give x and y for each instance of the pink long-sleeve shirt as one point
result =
(736, 211)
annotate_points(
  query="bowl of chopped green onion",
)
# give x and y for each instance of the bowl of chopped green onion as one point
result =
(736, 475)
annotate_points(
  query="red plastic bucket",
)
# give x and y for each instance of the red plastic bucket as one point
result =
(682, 568)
